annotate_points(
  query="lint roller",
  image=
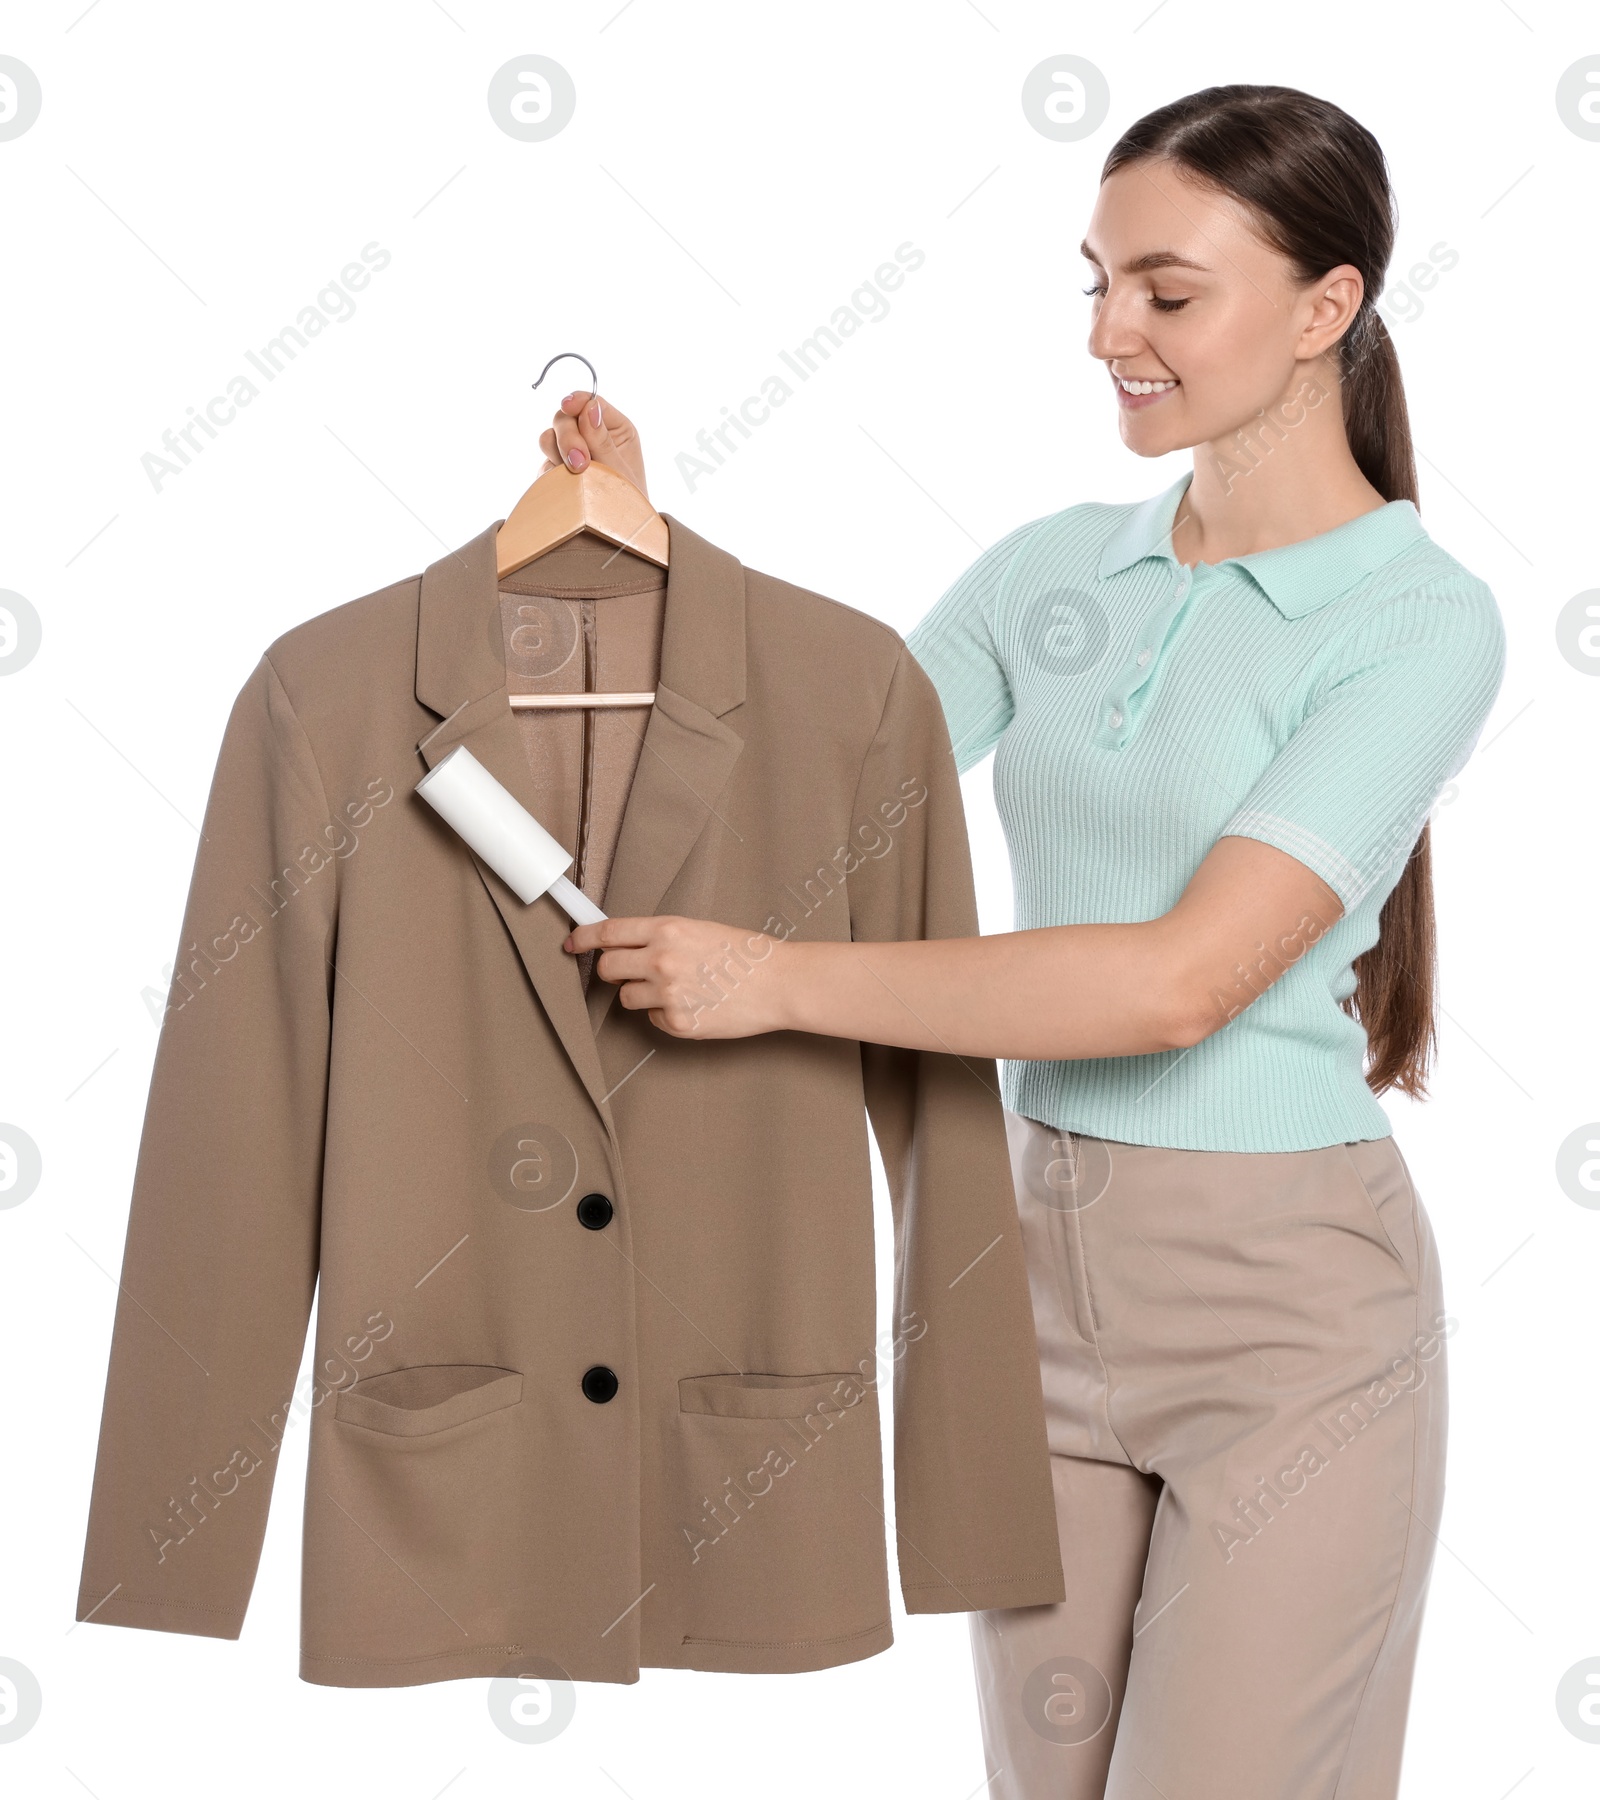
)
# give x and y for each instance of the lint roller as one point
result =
(504, 833)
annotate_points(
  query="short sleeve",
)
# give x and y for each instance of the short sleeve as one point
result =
(1396, 714)
(956, 645)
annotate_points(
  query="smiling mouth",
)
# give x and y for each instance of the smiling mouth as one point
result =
(1131, 385)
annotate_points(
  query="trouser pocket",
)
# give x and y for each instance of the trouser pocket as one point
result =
(1385, 1185)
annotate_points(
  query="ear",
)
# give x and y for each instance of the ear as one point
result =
(1335, 300)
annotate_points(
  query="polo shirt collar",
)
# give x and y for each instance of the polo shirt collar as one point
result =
(1296, 578)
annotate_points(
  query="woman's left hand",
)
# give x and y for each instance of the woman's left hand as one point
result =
(694, 978)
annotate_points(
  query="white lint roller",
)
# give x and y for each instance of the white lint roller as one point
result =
(504, 833)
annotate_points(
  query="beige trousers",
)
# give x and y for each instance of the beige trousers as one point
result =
(1244, 1381)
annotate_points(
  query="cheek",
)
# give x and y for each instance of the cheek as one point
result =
(1231, 371)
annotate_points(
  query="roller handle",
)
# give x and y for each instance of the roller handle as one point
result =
(504, 833)
(575, 903)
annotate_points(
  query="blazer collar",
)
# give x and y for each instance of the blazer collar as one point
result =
(689, 752)
(1297, 578)
(460, 657)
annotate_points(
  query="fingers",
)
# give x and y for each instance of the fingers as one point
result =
(678, 1015)
(580, 430)
(625, 965)
(588, 428)
(618, 427)
(675, 970)
(570, 445)
(675, 1024)
(610, 934)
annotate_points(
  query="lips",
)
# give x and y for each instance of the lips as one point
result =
(1145, 384)
(1137, 393)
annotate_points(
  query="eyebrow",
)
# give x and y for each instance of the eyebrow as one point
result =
(1153, 259)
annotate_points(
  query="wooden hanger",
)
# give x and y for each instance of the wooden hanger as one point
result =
(561, 504)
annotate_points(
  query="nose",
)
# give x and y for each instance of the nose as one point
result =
(1114, 337)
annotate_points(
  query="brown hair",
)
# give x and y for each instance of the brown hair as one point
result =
(1318, 187)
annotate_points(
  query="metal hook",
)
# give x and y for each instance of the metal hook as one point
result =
(594, 380)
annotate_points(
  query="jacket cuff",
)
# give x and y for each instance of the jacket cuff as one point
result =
(162, 1615)
(1044, 1588)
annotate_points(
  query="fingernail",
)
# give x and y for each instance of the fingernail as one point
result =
(594, 413)
(566, 397)
(576, 458)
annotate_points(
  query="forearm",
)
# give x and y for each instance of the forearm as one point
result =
(1065, 991)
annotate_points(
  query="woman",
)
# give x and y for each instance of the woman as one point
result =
(1222, 717)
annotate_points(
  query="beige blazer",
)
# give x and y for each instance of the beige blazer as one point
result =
(597, 1369)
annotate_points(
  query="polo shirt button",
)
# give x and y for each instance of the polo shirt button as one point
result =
(1115, 720)
(1142, 658)
(594, 1212)
(600, 1384)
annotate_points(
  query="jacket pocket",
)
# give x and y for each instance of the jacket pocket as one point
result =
(417, 1506)
(777, 1490)
(413, 1403)
(764, 1396)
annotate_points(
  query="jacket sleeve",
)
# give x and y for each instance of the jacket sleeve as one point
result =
(974, 1505)
(221, 1255)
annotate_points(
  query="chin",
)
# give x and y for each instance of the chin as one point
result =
(1153, 444)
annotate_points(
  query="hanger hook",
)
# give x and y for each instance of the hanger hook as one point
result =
(594, 380)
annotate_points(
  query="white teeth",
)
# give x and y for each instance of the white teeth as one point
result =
(1145, 387)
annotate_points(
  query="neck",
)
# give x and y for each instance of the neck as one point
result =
(1284, 476)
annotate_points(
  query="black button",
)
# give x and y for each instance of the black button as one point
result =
(600, 1384)
(594, 1212)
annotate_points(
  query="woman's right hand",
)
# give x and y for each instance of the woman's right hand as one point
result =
(588, 428)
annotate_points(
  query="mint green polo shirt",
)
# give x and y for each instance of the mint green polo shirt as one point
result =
(1316, 697)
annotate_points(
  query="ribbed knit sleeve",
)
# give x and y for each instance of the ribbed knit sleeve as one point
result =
(955, 644)
(1402, 700)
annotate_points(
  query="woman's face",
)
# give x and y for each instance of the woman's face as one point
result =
(1187, 296)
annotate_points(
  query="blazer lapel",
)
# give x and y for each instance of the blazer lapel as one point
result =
(689, 751)
(461, 675)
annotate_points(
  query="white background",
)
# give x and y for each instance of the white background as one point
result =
(198, 173)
